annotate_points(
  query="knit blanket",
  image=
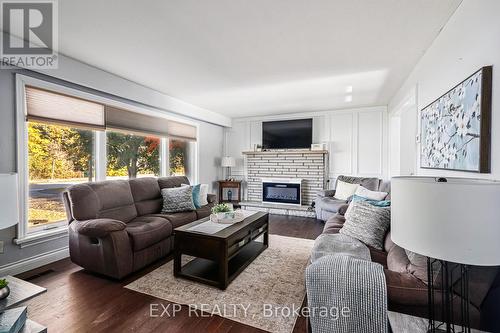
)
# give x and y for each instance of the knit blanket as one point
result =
(346, 294)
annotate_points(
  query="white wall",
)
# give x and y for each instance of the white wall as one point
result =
(357, 139)
(210, 148)
(469, 41)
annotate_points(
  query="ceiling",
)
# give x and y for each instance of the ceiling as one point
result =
(246, 58)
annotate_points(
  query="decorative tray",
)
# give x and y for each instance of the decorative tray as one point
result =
(228, 218)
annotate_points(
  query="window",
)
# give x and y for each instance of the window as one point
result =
(132, 155)
(58, 156)
(67, 137)
(177, 151)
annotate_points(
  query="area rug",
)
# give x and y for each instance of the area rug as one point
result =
(267, 295)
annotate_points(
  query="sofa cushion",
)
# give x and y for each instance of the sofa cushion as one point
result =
(367, 223)
(329, 204)
(169, 182)
(98, 227)
(403, 288)
(203, 211)
(178, 219)
(334, 224)
(370, 183)
(146, 194)
(388, 243)
(397, 260)
(145, 231)
(83, 202)
(108, 199)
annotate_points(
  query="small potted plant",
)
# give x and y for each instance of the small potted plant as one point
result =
(220, 212)
(4, 289)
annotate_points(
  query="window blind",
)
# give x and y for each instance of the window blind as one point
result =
(43, 105)
(134, 122)
(46, 106)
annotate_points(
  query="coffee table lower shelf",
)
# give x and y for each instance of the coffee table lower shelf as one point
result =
(207, 271)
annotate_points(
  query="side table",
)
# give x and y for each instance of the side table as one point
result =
(229, 191)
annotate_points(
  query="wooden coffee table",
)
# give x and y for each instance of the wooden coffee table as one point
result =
(222, 256)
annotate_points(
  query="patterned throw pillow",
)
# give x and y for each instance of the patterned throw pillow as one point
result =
(177, 199)
(367, 223)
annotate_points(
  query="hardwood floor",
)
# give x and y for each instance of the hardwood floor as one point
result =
(78, 301)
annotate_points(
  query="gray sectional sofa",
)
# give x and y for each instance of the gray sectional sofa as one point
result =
(116, 227)
(406, 292)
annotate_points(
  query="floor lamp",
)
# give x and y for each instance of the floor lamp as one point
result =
(455, 222)
(9, 209)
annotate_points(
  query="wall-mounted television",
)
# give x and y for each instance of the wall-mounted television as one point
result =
(287, 134)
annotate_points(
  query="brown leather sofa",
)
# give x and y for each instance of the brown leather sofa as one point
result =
(408, 294)
(116, 227)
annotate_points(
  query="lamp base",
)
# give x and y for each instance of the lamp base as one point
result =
(454, 282)
(436, 330)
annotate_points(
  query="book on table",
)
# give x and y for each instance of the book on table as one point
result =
(13, 320)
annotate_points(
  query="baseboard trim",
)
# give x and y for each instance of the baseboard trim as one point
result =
(30, 263)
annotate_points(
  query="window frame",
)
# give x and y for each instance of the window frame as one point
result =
(25, 238)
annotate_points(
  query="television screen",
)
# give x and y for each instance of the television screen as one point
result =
(287, 134)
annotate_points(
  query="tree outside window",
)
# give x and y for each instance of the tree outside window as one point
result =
(178, 153)
(58, 156)
(132, 156)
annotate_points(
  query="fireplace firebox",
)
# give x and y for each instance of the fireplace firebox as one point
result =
(282, 190)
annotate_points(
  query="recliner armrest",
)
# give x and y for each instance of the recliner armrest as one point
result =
(98, 227)
(211, 198)
(325, 193)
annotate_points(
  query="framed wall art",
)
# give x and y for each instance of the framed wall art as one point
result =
(456, 128)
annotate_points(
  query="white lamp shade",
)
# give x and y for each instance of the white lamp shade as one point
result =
(228, 162)
(456, 221)
(9, 209)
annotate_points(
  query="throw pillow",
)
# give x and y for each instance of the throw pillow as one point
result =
(177, 199)
(345, 190)
(196, 195)
(372, 195)
(200, 192)
(378, 203)
(203, 194)
(367, 223)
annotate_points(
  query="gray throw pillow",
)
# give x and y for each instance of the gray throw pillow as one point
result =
(177, 199)
(367, 223)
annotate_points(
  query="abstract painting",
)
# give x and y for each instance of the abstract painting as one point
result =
(455, 128)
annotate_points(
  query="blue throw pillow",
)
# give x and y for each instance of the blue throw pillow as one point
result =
(377, 203)
(196, 195)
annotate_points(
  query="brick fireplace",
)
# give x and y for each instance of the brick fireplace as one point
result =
(306, 165)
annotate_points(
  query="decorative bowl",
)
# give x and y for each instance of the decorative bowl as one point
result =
(4, 292)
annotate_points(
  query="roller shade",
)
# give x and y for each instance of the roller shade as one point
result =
(47, 106)
(43, 105)
(139, 123)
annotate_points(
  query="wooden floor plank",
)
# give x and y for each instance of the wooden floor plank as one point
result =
(79, 301)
